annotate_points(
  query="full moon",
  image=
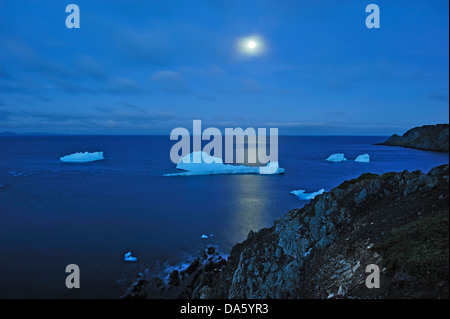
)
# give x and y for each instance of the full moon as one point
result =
(251, 46)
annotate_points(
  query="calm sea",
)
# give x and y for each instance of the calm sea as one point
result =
(53, 214)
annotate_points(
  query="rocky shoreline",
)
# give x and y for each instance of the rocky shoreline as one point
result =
(182, 282)
(398, 221)
(427, 137)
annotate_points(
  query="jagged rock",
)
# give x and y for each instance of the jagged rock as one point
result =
(192, 282)
(136, 290)
(174, 278)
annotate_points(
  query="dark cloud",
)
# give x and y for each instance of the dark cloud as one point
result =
(110, 85)
(88, 66)
(250, 86)
(122, 85)
(84, 74)
(438, 97)
(94, 118)
(150, 47)
(206, 97)
(170, 82)
(336, 113)
(27, 57)
(4, 74)
(132, 107)
(4, 114)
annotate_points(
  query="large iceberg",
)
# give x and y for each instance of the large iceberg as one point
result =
(200, 163)
(339, 157)
(364, 158)
(82, 157)
(306, 196)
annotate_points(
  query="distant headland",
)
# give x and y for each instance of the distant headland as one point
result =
(427, 137)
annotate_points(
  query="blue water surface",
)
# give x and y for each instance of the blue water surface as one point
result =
(53, 214)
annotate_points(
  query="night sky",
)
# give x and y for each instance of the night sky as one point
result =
(146, 67)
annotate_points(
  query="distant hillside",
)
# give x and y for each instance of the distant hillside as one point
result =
(428, 137)
(7, 133)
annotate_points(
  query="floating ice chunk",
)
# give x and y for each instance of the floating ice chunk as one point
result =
(200, 163)
(339, 157)
(364, 158)
(271, 168)
(204, 236)
(82, 157)
(306, 196)
(128, 257)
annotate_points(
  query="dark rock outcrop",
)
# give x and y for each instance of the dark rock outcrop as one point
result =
(192, 281)
(322, 250)
(428, 137)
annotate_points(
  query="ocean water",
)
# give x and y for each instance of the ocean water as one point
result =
(53, 214)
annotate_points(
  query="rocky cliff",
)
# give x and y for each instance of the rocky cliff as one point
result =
(428, 137)
(397, 221)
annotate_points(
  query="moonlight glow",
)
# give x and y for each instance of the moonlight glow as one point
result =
(251, 46)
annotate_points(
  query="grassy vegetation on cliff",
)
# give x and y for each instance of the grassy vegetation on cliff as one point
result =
(421, 248)
(365, 176)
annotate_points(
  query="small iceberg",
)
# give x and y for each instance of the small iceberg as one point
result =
(128, 257)
(271, 168)
(339, 157)
(82, 157)
(364, 158)
(200, 163)
(306, 196)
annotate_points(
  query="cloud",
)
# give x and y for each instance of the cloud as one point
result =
(438, 97)
(90, 67)
(95, 119)
(206, 97)
(151, 47)
(4, 114)
(132, 107)
(122, 85)
(170, 82)
(109, 85)
(4, 74)
(83, 74)
(250, 86)
(208, 72)
(28, 59)
(336, 113)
